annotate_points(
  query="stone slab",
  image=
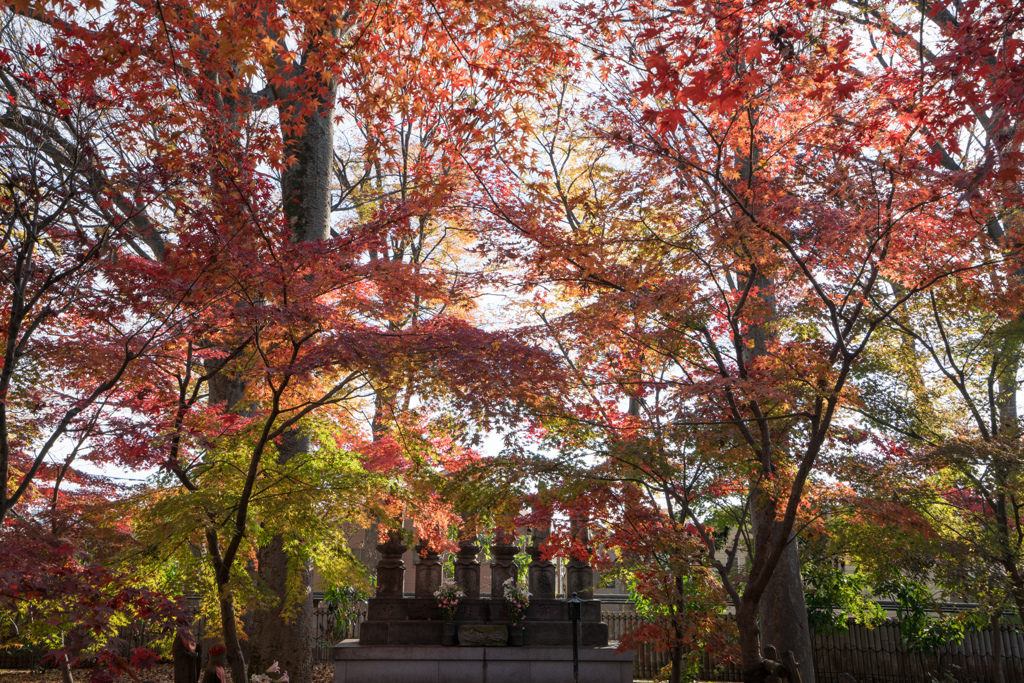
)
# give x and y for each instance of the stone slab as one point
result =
(559, 634)
(483, 636)
(535, 633)
(473, 609)
(400, 632)
(557, 610)
(387, 609)
(427, 664)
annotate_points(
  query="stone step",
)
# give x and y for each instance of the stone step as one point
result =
(437, 664)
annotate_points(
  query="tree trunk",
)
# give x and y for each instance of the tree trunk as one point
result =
(677, 665)
(283, 630)
(186, 655)
(750, 644)
(784, 611)
(65, 671)
(781, 608)
(998, 665)
(236, 662)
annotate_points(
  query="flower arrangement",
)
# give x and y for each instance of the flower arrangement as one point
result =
(265, 678)
(449, 594)
(517, 599)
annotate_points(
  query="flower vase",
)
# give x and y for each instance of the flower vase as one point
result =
(449, 633)
(515, 635)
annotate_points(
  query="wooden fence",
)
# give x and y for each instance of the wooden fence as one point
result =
(876, 655)
(329, 630)
(648, 661)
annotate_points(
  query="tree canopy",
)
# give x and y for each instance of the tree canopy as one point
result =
(722, 277)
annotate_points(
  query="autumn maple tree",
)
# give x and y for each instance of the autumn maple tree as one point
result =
(244, 243)
(291, 310)
(757, 207)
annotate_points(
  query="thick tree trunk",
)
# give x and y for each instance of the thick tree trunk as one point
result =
(187, 658)
(283, 630)
(780, 611)
(781, 608)
(784, 612)
(750, 644)
(306, 183)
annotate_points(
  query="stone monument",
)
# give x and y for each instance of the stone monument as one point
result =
(542, 574)
(467, 567)
(579, 575)
(503, 566)
(428, 570)
(402, 638)
(391, 566)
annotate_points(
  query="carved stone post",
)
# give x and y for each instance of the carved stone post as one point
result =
(579, 576)
(541, 573)
(428, 570)
(391, 567)
(503, 566)
(467, 567)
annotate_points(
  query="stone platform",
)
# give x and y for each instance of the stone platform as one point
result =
(354, 663)
(417, 621)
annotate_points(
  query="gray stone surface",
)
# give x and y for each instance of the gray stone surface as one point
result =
(419, 664)
(391, 567)
(542, 574)
(387, 609)
(493, 636)
(428, 570)
(503, 566)
(417, 621)
(471, 609)
(557, 610)
(400, 632)
(559, 634)
(467, 567)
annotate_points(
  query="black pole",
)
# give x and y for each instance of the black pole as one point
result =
(574, 614)
(575, 649)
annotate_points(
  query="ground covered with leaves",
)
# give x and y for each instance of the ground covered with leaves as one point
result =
(322, 673)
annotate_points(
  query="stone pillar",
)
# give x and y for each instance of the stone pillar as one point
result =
(503, 566)
(541, 573)
(467, 567)
(428, 570)
(390, 567)
(579, 576)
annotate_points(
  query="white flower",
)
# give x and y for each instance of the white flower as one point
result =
(274, 669)
(283, 678)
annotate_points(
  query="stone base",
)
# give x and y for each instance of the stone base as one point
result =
(354, 663)
(417, 621)
(475, 609)
(535, 633)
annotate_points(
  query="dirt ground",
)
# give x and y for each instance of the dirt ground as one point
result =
(322, 673)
